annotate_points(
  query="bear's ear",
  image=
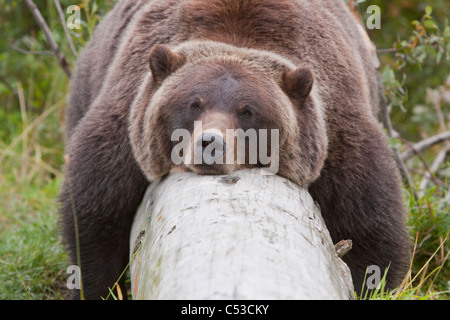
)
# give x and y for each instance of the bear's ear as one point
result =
(164, 61)
(297, 84)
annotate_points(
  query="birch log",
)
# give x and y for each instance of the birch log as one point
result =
(242, 236)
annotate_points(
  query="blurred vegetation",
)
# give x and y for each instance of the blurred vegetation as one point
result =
(413, 44)
(414, 48)
(421, 63)
(33, 91)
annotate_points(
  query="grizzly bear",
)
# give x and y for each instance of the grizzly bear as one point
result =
(300, 67)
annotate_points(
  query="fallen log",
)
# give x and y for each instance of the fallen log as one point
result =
(242, 236)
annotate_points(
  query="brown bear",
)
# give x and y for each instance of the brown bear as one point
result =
(299, 67)
(227, 88)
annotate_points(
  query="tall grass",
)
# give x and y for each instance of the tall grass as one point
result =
(32, 259)
(416, 285)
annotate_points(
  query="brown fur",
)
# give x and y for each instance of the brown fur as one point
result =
(118, 128)
(261, 78)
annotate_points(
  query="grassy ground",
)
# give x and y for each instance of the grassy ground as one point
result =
(32, 102)
(32, 260)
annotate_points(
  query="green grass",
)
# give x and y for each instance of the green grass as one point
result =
(33, 91)
(32, 262)
(32, 259)
(416, 285)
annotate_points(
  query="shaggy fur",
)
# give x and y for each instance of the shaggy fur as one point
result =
(117, 126)
(262, 77)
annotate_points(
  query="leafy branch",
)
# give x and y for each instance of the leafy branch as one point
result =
(49, 36)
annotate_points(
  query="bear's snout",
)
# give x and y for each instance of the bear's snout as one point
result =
(211, 146)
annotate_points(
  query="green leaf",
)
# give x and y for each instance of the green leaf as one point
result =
(439, 55)
(447, 31)
(429, 24)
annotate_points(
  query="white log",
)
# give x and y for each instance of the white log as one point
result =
(243, 236)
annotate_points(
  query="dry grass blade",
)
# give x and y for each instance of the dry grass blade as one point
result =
(407, 283)
(28, 129)
(23, 284)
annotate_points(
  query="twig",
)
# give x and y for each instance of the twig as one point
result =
(66, 30)
(425, 165)
(48, 34)
(436, 99)
(424, 144)
(343, 247)
(429, 170)
(6, 84)
(387, 50)
(434, 167)
(441, 118)
(18, 49)
(386, 119)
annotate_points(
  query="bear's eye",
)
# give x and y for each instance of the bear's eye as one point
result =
(246, 112)
(196, 106)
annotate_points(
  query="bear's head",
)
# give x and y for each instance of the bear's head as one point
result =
(213, 108)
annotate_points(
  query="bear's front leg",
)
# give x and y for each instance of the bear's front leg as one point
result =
(103, 187)
(360, 196)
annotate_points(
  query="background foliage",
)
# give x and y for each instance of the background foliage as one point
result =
(414, 46)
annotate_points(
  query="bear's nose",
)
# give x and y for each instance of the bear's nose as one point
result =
(211, 145)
